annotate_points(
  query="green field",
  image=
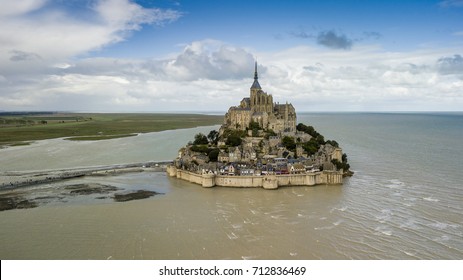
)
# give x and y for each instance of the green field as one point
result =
(18, 129)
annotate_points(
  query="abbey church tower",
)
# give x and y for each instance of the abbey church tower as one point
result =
(260, 100)
(259, 108)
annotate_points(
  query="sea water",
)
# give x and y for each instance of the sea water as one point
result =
(403, 202)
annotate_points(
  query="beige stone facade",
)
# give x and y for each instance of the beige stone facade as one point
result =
(260, 108)
(266, 182)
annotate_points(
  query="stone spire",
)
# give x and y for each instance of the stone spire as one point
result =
(256, 82)
(255, 71)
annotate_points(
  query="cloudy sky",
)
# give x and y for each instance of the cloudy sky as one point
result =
(167, 55)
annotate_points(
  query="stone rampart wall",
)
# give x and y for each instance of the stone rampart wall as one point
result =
(239, 181)
(190, 177)
(268, 182)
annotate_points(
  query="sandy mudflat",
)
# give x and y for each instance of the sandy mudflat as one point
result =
(12, 179)
(25, 190)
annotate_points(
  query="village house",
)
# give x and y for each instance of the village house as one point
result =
(246, 172)
(249, 154)
(223, 157)
(234, 154)
(296, 168)
(231, 169)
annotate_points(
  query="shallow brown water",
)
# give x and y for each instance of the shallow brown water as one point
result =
(188, 222)
(404, 201)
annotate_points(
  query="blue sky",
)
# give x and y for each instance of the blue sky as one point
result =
(153, 56)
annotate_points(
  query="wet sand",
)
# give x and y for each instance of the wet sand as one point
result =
(17, 179)
(33, 189)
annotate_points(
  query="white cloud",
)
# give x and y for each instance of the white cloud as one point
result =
(451, 65)
(22, 56)
(366, 78)
(200, 60)
(212, 75)
(209, 59)
(19, 7)
(55, 35)
(125, 15)
(205, 75)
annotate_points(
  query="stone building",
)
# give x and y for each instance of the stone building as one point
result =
(260, 108)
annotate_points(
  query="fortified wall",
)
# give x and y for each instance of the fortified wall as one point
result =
(266, 181)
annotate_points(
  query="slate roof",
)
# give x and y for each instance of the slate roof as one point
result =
(256, 84)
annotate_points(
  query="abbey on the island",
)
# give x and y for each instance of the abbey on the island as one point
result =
(260, 145)
(261, 109)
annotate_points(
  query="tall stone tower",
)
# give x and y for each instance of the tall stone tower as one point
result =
(255, 85)
(260, 100)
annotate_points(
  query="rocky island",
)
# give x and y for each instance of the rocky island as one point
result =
(260, 145)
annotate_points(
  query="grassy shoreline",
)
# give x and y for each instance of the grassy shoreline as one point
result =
(99, 137)
(20, 129)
